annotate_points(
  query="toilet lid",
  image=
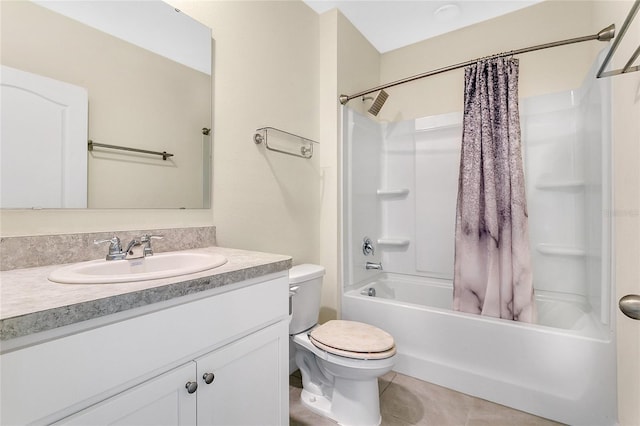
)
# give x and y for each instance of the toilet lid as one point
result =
(353, 340)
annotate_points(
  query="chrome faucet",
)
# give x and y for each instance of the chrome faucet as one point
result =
(130, 253)
(372, 265)
(137, 248)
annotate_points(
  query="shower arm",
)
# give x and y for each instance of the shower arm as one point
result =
(605, 34)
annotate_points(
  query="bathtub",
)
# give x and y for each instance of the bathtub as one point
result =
(557, 368)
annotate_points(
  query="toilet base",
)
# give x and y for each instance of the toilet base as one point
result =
(353, 403)
(318, 404)
(322, 406)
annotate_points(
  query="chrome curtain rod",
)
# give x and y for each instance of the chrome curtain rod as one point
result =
(605, 34)
(93, 144)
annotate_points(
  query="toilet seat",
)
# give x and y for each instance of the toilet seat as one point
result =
(353, 339)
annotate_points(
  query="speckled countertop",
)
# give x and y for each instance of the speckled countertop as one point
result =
(30, 303)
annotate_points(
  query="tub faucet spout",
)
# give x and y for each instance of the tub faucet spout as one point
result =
(372, 265)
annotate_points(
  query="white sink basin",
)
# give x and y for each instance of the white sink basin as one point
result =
(163, 265)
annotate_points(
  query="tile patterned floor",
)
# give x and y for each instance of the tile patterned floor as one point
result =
(407, 401)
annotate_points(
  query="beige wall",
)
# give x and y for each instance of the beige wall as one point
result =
(266, 74)
(348, 63)
(329, 247)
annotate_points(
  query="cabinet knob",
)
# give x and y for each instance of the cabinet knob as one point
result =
(208, 378)
(191, 387)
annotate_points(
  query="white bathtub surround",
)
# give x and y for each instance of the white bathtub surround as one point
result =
(492, 263)
(399, 174)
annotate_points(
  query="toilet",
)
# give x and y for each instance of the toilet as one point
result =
(340, 361)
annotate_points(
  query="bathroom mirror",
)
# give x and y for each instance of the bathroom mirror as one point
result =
(145, 70)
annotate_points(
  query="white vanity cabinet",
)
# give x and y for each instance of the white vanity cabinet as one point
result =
(136, 371)
(239, 384)
(248, 380)
(159, 401)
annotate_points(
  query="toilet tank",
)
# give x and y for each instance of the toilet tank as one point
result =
(305, 281)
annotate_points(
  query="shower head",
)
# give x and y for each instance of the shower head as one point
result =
(378, 103)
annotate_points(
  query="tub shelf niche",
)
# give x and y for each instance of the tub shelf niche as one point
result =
(558, 250)
(393, 192)
(560, 185)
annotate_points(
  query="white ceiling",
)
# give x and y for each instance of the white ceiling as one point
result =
(391, 24)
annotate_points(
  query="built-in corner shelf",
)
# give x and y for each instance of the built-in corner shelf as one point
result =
(395, 242)
(556, 250)
(395, 193)
(560, 185)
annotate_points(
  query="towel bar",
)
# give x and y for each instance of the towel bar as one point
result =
(92, 144)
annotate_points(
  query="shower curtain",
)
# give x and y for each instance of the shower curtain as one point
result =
(492, 270)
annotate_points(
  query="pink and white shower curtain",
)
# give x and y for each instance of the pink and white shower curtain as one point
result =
(492, 273)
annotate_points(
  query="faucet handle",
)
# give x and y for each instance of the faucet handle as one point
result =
(367, 246)
(114, 243)
(146, 240)
(115, 248)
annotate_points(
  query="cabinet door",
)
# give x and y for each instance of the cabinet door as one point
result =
(163, 400)
(250, 383)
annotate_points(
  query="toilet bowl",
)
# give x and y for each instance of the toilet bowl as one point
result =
(340, 361)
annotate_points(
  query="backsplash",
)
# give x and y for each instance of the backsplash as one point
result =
(42, 250)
